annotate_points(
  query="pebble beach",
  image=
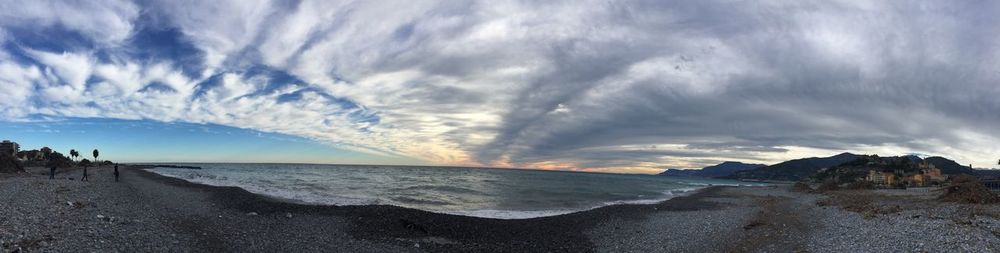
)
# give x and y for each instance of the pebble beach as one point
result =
(148, 212)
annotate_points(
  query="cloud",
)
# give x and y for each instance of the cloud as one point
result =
(68, 73)
(104, 22)
(755, 86)
(218, 28)
(15, 87)
(598, 85)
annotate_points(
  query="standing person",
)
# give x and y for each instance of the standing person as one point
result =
(52, 172)
(84, 174)
(116, 172)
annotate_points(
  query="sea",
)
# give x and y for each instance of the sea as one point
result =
(479, 192)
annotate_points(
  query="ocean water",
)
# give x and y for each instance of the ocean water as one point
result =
(480, 192)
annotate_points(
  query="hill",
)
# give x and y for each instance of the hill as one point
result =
(794, 170)
(798, 169)
(719, 170)
(950, 167)
(901, 166)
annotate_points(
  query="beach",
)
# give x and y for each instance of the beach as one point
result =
(149, 212)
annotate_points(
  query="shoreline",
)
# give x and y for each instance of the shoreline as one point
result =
(395, 223)
(151, 212)
(508, 214)
(277, 201)
(147, 209)
(683, 192)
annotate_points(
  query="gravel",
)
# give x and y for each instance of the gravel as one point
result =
(141, 215)
(786, 221)
(683, 231)
(922, 226)
(147, 212)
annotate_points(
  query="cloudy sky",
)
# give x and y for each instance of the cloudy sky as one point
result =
(624, 86)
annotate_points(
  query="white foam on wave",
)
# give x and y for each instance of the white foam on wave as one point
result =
(669, 194)
(725, 184)
(516, 215)
(305, 197)
(510, 214)
(708, 184)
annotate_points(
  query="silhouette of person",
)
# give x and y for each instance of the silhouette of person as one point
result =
(116, 172)
(84, 174)
(52, 172)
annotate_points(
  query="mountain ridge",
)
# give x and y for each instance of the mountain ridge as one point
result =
(798, 169)
(719, 170)
(794, 170)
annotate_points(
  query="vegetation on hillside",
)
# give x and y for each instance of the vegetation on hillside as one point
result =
(58, 160)
(9, 164)
(44, 157)
(794, 170)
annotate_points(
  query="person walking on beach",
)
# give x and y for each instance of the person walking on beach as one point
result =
(116, 172)
(52, 173)
(84, 174)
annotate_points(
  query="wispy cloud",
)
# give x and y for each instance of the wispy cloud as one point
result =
(600, 85)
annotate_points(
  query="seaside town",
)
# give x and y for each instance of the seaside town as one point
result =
(926, 176)
(872, 171)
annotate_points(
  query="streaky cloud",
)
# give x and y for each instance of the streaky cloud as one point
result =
(593, 85)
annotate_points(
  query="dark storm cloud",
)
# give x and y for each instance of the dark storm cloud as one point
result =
(902, 82)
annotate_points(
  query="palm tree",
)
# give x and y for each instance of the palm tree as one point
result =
(73, 153)
(95, 155)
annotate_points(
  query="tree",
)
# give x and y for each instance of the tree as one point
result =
(57, 159)
(46, 152)
(95, 155)
(85, 163)
(73, 154)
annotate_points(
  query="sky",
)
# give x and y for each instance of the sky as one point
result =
(608, 86)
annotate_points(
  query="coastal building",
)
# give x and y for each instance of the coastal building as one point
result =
(928, 175)
(42, 154)
(919, 180)
(33, 155)
(9, 148)
(881, 178)
(931, 171)
(925, 174)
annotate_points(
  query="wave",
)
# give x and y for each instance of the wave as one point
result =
(726, 184)
(510, 214)
(293, 196)
(515, 215)
(673, 193)
(419, 201)
(318, 195)
(443, 188)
